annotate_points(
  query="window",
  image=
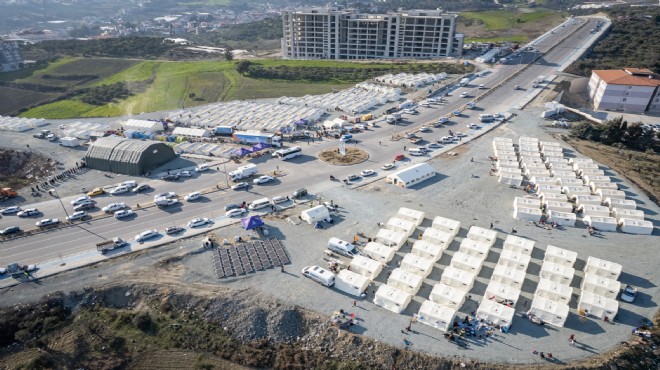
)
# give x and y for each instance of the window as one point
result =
(624, 99)
(629, 87)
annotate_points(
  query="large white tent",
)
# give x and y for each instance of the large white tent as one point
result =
(191, 132)
(527, 213)
(600, 223)
(417, 265)
(366, 266)
(411, 175)
(448, 296)
(555, 291)
(474, 248)
(391, 238)
(518, 244)
(428, 250)
(562, 218)
(597, 305)
(512, 259)
(600, 285)
(315, 214)
(411, 215)
(632, 226)
(560, 256)
(467, 262)
(351, 282)
(551, 312)
(400, 225)
(593, 210)
(391, 298)
(436, 236)
(494, 313)
(405, 281)
(619, 203)
(558, 273)
(604, 268)
(458, 278)
(446, 224)
(379, 252)
(634, 214)
(483, 235)
(502, 293)
(143, 126)
(435, 315)
(508, 276)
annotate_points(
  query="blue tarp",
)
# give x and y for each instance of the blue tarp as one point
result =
(260, 146)
(241, 152)
(251, 222)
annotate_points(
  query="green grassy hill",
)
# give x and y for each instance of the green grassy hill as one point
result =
(525, 23)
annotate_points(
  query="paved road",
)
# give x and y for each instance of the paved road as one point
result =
(304, 171)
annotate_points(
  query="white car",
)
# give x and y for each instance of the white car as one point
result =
(192, 196)
(481, 86)
(367, 173)
(442, 120)
(279, 199)
(77, 216)
(47, 222)
(410, 111)
(80, 200)
(11, 210)
(387, 166)
(185, 174)
(140, 188)
(146, 235)
(424, 129)
(28, 212)
(168, 195)
(240, 186)
(202, 168)
(263, 180)
(433, 145)
(473, 126)
(199, 222)
(119, 190)
(124, 213)
(464, 94)
(112, 207)
(460, 134)
(235, 212)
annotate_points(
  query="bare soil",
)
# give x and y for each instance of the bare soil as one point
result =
(20, 168)
(353, 156)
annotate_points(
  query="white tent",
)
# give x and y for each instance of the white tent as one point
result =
(502, 293)
(446, 224)
(448, 296)
(351, 283)
(590, 172)
(557, 273)
(510, 179)
(518, 244)
(435, 315)
(560, 256)
(466, 262)
(411, 215)
(482, 235)
(587, 179)
(315, 214)
(562, 218)
(554, 189)
(596, 185)
(417, 265)
(379, 252)
(557, 206)
(631, 226)
(592, 210)
(508, 276)
(543, 181)
(401, 226)
(606, 193)
(457, 278)
(144, 126)
(598, 306)
(552, 196)
(580, 160)
(191, 132)
(436, 236)
(576, 190)
(527, 202)
(551, 312)
(515, 260)
(411, 175)
(568, 181)
(391, 298)
(603, 268)
(474, 248)
(405, 281)
(527, 214)
(586, 199)
(600, 223)
(619, 203)
(428, 250)
(633, 214)
(600, 285)
(494, 313)
(366, 266)
(391, 238)
(555, 291)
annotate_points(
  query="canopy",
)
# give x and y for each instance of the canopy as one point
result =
(600, 285)
(351, 283)
(405, 281)
(379, 252)
(241, 152)
(557, 273)
(554, 291)
(495, 314)
(518, 244)
(417, 265)
(392, 299)
(428, 250)
(251, 222)
(446, 224)
(551, 312)
(603, 268)
(502, 293)
(597, 305)
(560, 256)
(435, 315)
(366, 266)
(448, 296)
(458, 278)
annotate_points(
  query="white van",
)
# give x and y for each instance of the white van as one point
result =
(260, 203)
(129, 184)
(202, 167)
(416, 152)
(486, 117)
(320, 275)
(342, 247)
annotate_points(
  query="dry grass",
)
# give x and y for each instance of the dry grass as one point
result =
(353, 156)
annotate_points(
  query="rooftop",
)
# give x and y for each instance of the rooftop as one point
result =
(629, 76)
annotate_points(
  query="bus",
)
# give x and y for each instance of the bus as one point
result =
(289, 153)
(486, 117)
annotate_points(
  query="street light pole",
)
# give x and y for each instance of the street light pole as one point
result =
(224, 164)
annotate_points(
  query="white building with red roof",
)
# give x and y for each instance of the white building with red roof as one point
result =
(634, 90)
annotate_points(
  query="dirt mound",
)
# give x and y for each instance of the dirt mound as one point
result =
(353, 156)
(20, 168)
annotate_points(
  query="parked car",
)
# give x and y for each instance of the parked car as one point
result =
(83, 206)
(185, 174)
(112, 207)
(167, 195)
(124, 213)
(473, 126)
(146, 235)
(202, 168)
(367, 173)
(424, 129)
(235, 212)
(299, 193)
(79, 200)
(10, 230)
(456, 113)
(192, 196)
(119, 190)
(279, 199)
(199, 222)
(141, 187)
(28, 212)
(464, 94)
(95, 192)
(628, 294)
(39, 135)
(47, 222)
(387, 166)
(79, 215)
(171, 230)
(399, 157)
(442, 120)
(231, 206)
(460, 134)
(240, 186)
(170, 177)
(11, 210)
(352, 177)
(433, 145)
(263, 180)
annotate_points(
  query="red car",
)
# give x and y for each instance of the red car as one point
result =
(399, 157)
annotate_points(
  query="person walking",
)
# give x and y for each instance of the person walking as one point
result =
(407, 343)
(571, 339)
(354, 303)
(491, 226)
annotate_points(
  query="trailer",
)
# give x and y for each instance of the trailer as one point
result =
(108, 245)
(244, 172)
(256, 137)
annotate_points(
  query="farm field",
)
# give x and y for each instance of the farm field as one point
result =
(12, 99)
(493, 25)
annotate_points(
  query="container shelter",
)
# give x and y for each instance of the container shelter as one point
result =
(600, 285)
(417, 265)
(560, 255)
(435, 315)
(474, 248)
(515, 260)
(467, 262)
(436, 236)
(557, 206)
(428, 250)
(446, 224)
(509, 276)
(603, 268)
(562, 218)
(411, 215)
(527, 202)
(496, 314)
(483, 235)
(401, 226)
(632, 226)
(593, 210)
(557, 273)
(619, 203)
(518, 244)
(596, 305)
(527, 214)
(502, 293)
(606, 193)
(634, 214)
(391, 238)
(600, 223)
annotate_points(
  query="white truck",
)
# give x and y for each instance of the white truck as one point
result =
(108, 245)
(393, 118)
(243, 172)
(464, 81)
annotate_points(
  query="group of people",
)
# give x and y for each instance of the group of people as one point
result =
(59, 177)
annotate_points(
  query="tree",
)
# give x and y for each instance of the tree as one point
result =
(243, 66)
(613, 132)
(191, 96)
(229, 55)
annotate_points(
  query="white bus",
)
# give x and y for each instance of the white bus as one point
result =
(289, 153)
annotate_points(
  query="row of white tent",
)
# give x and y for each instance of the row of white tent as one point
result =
(411, 79)
(20, 124)
(354, 100)
(207, 149)
(84, 130)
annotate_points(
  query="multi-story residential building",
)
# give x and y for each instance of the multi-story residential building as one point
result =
(329, 33)
(632, 90)
(10, 59)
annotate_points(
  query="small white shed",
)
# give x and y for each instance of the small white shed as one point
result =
(351, 282)
(632, 226)
(392, 299)
(518, 244)
(508, 276)
(435, 315)
(560, 256)
(391, 238)
(428, 250)
(379, 252)
(457, 278)
(562, 218)
(634, 214)
(596, 305)
(554, 291)
(515, 260)
(436, 236)
(400, 226)
(405, 281)
(601, 223)
(600, 267)
(619, 203)
(315, 214)
(411, 215)
(558, 273)
(551, 312)
(417, 265)
(467, 262)
(600, 285)
(483, 235)
(446, 224)
(411, 175)
(366, 266)
(527, 214)
(495, 314)
(502, 293)
(448, 296)
(593, 210)
(474, 248)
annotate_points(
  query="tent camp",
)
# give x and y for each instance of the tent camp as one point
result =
(446, 224)
(592, 210)
(391, 238)
(515, 260)
(411, 215)
(527, 214)
(600, 285)
(549, 311)
(411, 175)
(436, 236)
(351, 282)
(448, 296)
(400, 226)
(554, 291)
(631, 226)
(405, 281)
(557, 273)
(518, 244)
(502, 293)
(467, 262)
(315, 214)
(379, 252)
(366, 266)
(600, 223)
(634, 214)
(391, 298)
(428, 250)
(474, 248)
(597, 305)
(562, 218)
(560, 256)
(417, 265)
(603, 268)
(619, 203)
(458, 278)
(435, 315)
(508, 276)
(494, 313)
(482, 235)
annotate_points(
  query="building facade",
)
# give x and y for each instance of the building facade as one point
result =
(10, 58)
(329, 33)
(631, 90)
